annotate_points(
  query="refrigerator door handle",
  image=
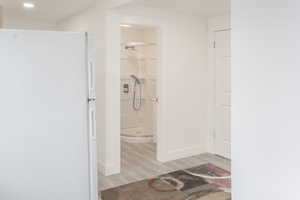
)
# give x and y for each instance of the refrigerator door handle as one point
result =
(91, 99)
(92, 122)
(91, 72)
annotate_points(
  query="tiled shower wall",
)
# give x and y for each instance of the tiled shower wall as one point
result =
(142, 63)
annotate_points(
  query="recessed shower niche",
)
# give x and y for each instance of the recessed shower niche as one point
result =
(139, 63)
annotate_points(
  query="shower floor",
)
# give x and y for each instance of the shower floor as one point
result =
(137, 135)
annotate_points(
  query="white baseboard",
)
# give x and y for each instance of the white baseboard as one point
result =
(182, 153)
(108, 170)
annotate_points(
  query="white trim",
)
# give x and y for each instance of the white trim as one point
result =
(114, 21)
(183, 153)
(112, 159)
(216, 24)
(108, 170)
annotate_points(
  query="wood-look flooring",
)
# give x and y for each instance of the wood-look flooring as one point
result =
(138, 162)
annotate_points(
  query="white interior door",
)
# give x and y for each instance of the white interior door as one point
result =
(222, 135)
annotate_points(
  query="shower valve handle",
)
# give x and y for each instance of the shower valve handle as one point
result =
(155, 99)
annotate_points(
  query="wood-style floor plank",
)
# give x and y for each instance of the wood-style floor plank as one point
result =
(138, 162)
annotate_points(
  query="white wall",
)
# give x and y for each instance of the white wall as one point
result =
(184, 79)
(93, 21)
(15, 22)
(265, 114)
(184, 113)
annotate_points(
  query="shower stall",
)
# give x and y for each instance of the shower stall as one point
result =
(139, 62)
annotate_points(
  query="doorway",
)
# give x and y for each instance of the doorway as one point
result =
(138, 66)
(139, 63)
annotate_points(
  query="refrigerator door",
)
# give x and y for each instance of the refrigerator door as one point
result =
(44, 140)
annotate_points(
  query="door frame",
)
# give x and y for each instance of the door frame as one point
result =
(218, 24)
(215, 91)
(113, 98)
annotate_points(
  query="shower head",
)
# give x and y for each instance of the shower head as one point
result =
(136, 79)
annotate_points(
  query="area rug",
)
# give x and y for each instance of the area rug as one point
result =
(205, 182)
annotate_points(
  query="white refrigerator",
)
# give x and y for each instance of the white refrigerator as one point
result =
(47, 116)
